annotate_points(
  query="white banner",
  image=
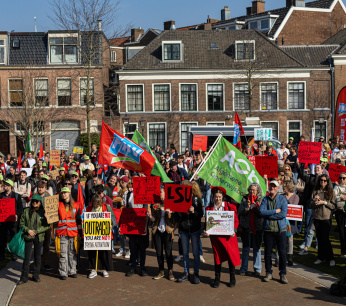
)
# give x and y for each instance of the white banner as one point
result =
(263, 134)
(62, 144)
(97, 231)
(220, 222)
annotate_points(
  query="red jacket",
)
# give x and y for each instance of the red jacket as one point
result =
(67, 225)
(226, 247)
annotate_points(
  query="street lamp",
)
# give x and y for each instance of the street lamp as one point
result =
(142, 124)
(126, 122)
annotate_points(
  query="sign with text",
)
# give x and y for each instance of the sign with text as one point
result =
(263, 134)
(54, 174)
(199, 142)
(252, 160)
(146, 190)
(51, 208)
(220, 222)
(7, 210)
(97, 231)
(295, 212)
(78, 150)
(28, 171)
(334, 171)
(133, 221)
(309, 152)
(62, 144)
(178, 198)
(54, 158)
(267, 165)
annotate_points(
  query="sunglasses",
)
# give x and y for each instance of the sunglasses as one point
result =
(343, 178)
(67, 184)
(324, 181)
(74, 176)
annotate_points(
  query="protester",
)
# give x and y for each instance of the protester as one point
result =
(292, 160)
(174, 173)
(289, 174)
(23, 188)
(340, 216)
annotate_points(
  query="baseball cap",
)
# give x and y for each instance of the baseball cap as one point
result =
(36, 197)
(270, 143)
(291, 138)
(44, 165)
(1, 177)
(86, 158)
(46, 177)
(124, 178)
(73, 162)
(9, 182)
(75, 173)
(324, 159)
(65, 189)
(275, 183)
(62, 169)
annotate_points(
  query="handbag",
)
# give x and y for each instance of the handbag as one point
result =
(17, 244)
(288, 229)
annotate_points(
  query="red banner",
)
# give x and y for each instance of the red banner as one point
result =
(267, 165)
(252, 160)
(309, 152)
(334, 171)
(7, 210)
(340, 115)
(133, 221)
(178, 198)
(295, 212)
(200, 142)
(146, 190)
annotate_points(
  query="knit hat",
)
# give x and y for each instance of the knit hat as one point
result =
(65, 189)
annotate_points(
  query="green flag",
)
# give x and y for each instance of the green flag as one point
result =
(28, 147)
(227, 167)
(157, 169)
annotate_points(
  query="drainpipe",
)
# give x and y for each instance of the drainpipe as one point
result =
(332, 76)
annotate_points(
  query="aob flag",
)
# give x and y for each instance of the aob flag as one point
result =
(118, 151)
(227, 167)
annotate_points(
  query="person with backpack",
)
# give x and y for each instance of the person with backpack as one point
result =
(23, 188)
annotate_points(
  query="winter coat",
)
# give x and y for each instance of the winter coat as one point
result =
(37, 220)
(244, 214)
(324, 211)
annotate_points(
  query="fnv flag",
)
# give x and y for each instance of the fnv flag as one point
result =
(227, 167)
(157, 169)
(238, 131)
(28, 147)
(118, 151)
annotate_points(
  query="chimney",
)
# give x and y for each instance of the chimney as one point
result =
(258, 6)
(99, 25)
(206, 27)
(298, 3)
(225, 13)
(248, 11)
(167, 25)
(135, 33)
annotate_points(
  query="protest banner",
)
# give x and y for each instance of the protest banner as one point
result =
(334, 171)
(146, 190)
(263, 134)
(62, 144)
(54, 158)
(295, 212)
(117, 214)
(267, 165)
(78, 150)
(28, 171)
(54, 174)
(178, 198)
(97, 231)
(200, 142)
(7, 210)
(220, 222)
(309, 152)
(252, 160)
(51, 207)
(133, 221)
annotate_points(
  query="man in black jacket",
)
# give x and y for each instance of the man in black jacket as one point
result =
(9, 226)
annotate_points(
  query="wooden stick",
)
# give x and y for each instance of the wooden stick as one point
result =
(97, 259)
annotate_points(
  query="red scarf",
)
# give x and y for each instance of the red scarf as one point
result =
(252, 199)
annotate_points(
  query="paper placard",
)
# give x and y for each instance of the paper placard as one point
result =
(267, 165)
(7, 210)
(133, 221)
(28, 171)
(54, 174)
(62, 144)
(309, 152)
(54, 158)
(220, 222)
(200, 142)
(334, 171)
(146, 190)
(295, 212)
(51, 207)
(78, 150)
(252, 160)
(178, 198)
(97, 231)
(263, 134)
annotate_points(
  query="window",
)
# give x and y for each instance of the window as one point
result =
(215, 97)
(233, 27)
(273, 125)
(113, 56)
(269, 95)
(241, 97)
(188, 94)
(64, 92)
(265, 24)
(41, 93)
(84, 91)
(157, 135)
(16, 92)
(245, 50)
(253, 25)
(130, 130)
(320, 130)
(171, 52)
(16, 44)
(296, 95)
(162, 97)
(294, 130)
(63, 50)
(38, 126)
(215, 124)
(2, 51)
(19, 127)
(183, 135)
(135, 98)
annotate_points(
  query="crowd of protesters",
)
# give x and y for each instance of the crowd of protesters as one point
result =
(258, 219)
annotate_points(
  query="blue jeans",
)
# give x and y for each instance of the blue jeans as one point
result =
(185, 239)
(206, 199)
(295, 175)
(255, 241)
(309, 237)
(122, 243)
(270, 238)
(308, 215)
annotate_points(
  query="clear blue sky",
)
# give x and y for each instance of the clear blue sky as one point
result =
(18, 15)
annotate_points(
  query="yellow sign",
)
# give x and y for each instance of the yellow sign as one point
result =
(78, 150)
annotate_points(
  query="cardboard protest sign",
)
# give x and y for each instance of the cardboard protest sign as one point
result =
(146, 190)
(54, 174)
(62, 144)
(178, 198)
(263, 134)
(54, 158)
(133, 221)
(28, 171)
(220, 222)
(199, 142)
(295, 212)
(97, 231)
(334, 171)
(309, 152)
(78, 150)
(267, 165)
(7, 210)
(51, 207)
(252, 160)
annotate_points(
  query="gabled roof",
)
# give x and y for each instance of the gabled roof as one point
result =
(119, 42)
(198, 53)
(340, 39)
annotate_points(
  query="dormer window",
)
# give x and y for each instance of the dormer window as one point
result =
(265, 24)
(261, 23)
(16, 44)
(2, 51)
(172, 51)
(245, 50)
(253, 25)
(63, 49)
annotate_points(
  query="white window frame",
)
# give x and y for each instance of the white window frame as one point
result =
(277, 94)
(272, 121)
(63, 35)
(172, 42)
(287, 95)
(245, 42)
(209, 123)
(124, 130)
(180, 139)
(186, 83)
(130, 84)
(40, 79)
(5, 50)
(85, 78)
(288, 127)
(8, 92)
(223, 96)
(113, 56)
(326, 122)
(148, 132)
(57, 97)
(16, 129)
(153, 97)
(233, 95)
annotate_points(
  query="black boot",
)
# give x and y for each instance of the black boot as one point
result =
(290, 260)
(216, 282)
(232, 281)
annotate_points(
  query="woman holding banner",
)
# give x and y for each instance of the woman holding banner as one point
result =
(224, 247)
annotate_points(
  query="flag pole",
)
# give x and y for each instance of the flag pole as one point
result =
(207, 157)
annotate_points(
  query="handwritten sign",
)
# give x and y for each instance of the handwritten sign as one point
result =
(7, 210)
(178, 198)
(53, 174)
(295, 212)
(54, 158)
(267, 165)
(62, 144)
(97, 231)
(133, 221)
(334, 171)
(51, 207)
(263, 134)
(309, 152)
(78, 150)
(200, 142)
(252, 160)
(146, 190)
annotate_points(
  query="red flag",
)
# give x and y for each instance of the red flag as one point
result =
(41, 156)
(80, 198)
(19, 164)
(340, 115)
(119, 151)
(238, 131)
